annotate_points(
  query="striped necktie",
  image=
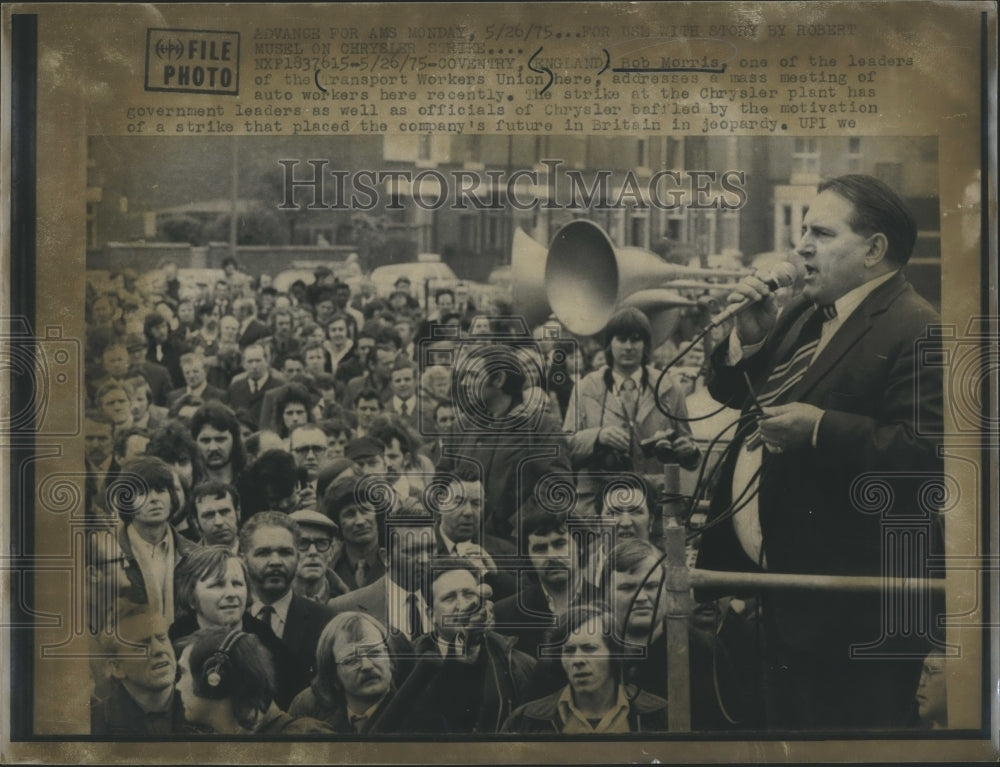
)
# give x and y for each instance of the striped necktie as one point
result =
(789, 372)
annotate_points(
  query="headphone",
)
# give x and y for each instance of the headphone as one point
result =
(217, 668)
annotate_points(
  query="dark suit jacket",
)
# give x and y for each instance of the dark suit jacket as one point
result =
(503, 581)
(255, 331)
(883, 410)
(159, 381)
(210, 392)
(240, 397)
(512, 464)
(526, 615)
(171, 362)
(305, 622)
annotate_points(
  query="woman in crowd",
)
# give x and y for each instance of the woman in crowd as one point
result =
(594, 700)
(226, 680)
(210, 590)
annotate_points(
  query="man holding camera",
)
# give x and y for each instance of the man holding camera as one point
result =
(623, 417)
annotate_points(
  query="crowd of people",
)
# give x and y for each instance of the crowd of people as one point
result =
(317, 513)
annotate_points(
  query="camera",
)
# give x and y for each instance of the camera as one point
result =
(491, 347)
(53, 369)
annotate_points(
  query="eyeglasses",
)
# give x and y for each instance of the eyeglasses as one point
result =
(353, 660)
(303, 449)
(322, 544)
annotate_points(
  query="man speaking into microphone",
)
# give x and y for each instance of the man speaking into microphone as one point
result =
(830, 395)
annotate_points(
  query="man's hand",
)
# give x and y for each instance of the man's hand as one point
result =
(788, 427)
(481, 557)
(670, 445)
(305, 497)
(614, 437)
(481, 621)
(756, 320)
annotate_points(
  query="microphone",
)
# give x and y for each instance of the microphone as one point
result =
(782, 276)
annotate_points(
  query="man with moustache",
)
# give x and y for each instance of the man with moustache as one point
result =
(270, 542)
(557, 581)
(142, 701)
(217, 435)
(354, 681)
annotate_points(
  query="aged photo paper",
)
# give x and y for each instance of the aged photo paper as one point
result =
(551, 163)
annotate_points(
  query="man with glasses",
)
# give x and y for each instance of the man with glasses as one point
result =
(308, 444)
(314, 579)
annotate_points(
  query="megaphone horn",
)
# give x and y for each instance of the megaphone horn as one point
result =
(587, 279)
(527, 275)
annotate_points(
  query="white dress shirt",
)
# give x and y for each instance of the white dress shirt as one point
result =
(746, 522)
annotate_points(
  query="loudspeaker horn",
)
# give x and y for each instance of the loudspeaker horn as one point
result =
(527, 276)
(587, 279)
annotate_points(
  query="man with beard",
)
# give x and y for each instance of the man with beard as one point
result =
(217, 434)
(314, 579)
(216, 514)
(142, 701)
(269, 543)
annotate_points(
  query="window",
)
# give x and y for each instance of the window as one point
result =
(424, 147)
(642, 154)
(805, 160)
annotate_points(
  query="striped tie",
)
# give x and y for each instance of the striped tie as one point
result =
(787, 374)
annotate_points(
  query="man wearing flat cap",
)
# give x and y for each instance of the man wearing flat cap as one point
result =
(314, 579)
